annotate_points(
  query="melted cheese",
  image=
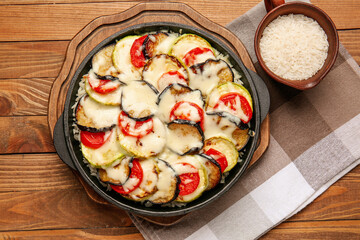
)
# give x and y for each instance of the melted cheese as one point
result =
(216, 126)
(206, 79)
(122, 60)
(149, 181)
(159, 65)
(149, 145)
(168, 101)
(119, 172)
(100, 115)
(138, 99)
(165, 45)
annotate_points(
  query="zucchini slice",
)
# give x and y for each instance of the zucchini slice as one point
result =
(231, 98)
(105, 155)
(184, 137)
(167, 185)
(95, 117)
(213, 170)
(149, 182)
(225, 147)
(156, 68)
(122, 60)
(113, 98)
(174, 94)
(102, 63)
(148, 145)
(208, 75)
(138, 100)
(187, 42)
(118, 174)
(158, 43)
(184, 167)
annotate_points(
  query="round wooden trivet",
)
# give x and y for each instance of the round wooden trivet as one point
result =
(103, 27)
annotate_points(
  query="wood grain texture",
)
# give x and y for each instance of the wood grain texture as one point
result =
(16, 19)
(57, 209)
(315, 230)
(24, 96)
(35, 172)
(123, 233)
(350, 39)
(31, 59)
(25, 134)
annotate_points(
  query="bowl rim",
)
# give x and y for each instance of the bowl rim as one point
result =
(305, 83)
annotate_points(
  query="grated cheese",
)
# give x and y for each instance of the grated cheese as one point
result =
(294, 46)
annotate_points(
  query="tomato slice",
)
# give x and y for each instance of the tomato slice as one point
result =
(103, 86)
(137, 173)
(194, 55)
(94, 139)
(188, 181)
(133, 128)
(218, 157)
(235, 102)
(136, 52)
(169, 78)
(187, 111)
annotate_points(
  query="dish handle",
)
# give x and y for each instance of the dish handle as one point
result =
(263, 94)
(60, 143)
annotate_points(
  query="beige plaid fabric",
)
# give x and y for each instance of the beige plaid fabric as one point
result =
(315, 140)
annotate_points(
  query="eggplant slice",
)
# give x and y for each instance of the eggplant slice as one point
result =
(173, 94)
(213, 170)
(138, 100)
(158, 43)
(167, 185)
(208, 75)
(184, 137)
(95, 117)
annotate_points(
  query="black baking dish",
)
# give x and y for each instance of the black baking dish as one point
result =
(69, 149)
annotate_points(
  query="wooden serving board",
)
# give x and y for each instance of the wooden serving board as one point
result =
(103, 27)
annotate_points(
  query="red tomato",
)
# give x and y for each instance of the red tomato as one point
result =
(188, 182)
(219, 157)
(136, 53)
(169, 78)
(230, 100)
(187, 113)
(136, 172)
(133, 128)
(93, 139)
(103, 86)
(191, 56)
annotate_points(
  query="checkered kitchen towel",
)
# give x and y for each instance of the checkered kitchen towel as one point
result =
(315, 140)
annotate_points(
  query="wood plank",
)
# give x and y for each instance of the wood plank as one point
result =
(58, 209)
(33, 26)
(340, 201)
(351, 39)
(315, 230)
(124, 233)
(31, 59)
(24, 96)
(35, 172)
(25, 134)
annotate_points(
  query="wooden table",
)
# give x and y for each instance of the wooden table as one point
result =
(39, 196)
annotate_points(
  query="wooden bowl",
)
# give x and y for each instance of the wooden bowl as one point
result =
(324, 21)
